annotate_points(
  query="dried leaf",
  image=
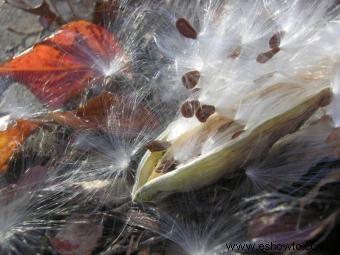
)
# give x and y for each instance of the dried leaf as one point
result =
(105, 11)
(59, 67)
(43, 10)
(77, 238)
(70, 119)
(267, 224)
(111, 113)
(282, 229)
(13, 137)
(32, 176)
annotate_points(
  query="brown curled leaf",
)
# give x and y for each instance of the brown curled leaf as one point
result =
(71, 120)
(111, 113)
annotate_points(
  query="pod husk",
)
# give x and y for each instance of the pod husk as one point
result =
(225, 159)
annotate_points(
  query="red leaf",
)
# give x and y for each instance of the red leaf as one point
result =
(13, 137)
(59, 67)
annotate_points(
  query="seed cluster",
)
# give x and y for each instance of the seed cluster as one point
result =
(190, 80)
(274, 45)
(157, 145)
(166, 166)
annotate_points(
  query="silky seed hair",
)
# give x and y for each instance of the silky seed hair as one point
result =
(202, 59)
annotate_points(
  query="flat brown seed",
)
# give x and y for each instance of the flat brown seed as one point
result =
(191, 79)
(196, 91)
(325, 100)
(264, 57)
(237, 134)
(204, 112)
(275, 40)
(189, 108)
(167, 165)
(157, 145)
(235, 53)
(183, 26)
(224, 127)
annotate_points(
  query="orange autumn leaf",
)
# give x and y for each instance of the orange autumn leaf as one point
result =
(110, 113)
(59, 67)
(12, 138)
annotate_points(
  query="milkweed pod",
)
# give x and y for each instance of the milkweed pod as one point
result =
(237, 143)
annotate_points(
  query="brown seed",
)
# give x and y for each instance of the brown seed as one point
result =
(183, 26)
(264, 78)
(157, 145)
(224, 127)
(204, 112)
(264, 57)
(196, 91)
(189, 108)
(275, 50)
(275, 40)
(235, 53)
(237, 134)
(326, 100)
(191, 79)
(166, 165)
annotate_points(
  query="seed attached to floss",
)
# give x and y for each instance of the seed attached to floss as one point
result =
(166, 166)
(189, 108)
(325, 101)
(183, 26)
(275, 40)
(157, 145)
(237, 134)
(235, 53)
(264, 57)
(191, 79)
(204, 112)
(225, 127)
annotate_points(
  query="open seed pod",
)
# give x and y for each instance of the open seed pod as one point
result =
(181, 161)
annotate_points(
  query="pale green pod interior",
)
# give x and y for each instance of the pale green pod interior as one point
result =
(227, 158)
